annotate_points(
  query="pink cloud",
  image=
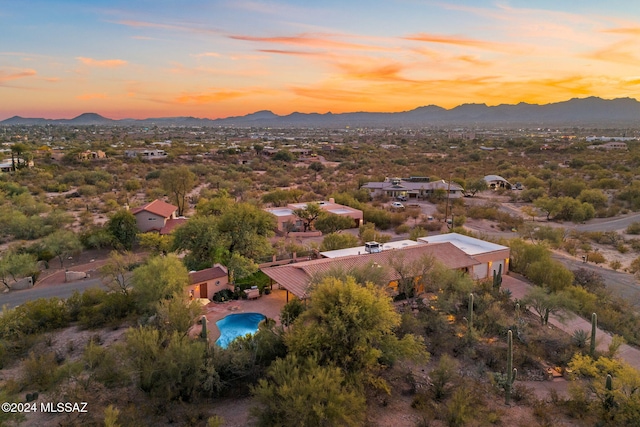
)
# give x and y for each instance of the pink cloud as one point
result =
(105, 63)
(90, 96)
(8, 74)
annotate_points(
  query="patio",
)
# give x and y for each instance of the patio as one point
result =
(269, 305)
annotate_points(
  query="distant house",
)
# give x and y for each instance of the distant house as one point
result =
(614, 145)
(150, 154)
(155, 216)
(286, 218)
(205, 283)
(90, 155)
(6, 166)
(395, 187)
(496, 181)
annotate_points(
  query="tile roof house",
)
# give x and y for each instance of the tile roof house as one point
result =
(285, 215)
(205, 283)
(398, 187)
(296, 278)
(154, 216)
(490, 256)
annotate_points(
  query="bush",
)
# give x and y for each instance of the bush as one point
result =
(224, 295)
(633, 228)
(596, 257)
(402, 229)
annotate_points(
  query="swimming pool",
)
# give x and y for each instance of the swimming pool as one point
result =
(237, 325)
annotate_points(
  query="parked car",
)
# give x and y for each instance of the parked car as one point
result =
(397, 205)
(402, 198)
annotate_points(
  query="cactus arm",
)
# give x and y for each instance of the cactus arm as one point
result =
(594, 325)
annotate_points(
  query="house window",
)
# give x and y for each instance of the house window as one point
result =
(217, 282)
(152, 219)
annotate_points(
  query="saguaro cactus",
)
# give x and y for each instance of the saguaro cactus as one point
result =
(512, 372)
(594, 326)
(608, 400)
(497, 278)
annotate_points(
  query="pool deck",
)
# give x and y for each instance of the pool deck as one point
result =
(269, 305)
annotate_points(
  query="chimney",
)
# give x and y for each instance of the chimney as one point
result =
(332, 200)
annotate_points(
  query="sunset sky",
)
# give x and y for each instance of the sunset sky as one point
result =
(220, 58)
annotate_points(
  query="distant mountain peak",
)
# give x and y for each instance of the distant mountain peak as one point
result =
(589, 111)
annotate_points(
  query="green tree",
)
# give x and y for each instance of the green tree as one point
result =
(411, 274)
(283, 155)
(597, 198)
(334, 241)
(178, 182)
(475, 186)
(352, 327)
(240, 267)
(177, 315)
(551, 274)
(202, 241)
(368, 233)
(297, 391)
(123, 228)
(62, 244)
(247, 228)
(158, 279)
(116, 272)
(330, 223)
(167, 367)
(282, 197)
(15, 266)
(545, 303)
(308, 214)
(155, 243)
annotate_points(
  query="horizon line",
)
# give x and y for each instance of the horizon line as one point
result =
(315, 112)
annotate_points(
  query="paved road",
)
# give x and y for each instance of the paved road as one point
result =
(609, 224)
(64, 290)
(621, 284)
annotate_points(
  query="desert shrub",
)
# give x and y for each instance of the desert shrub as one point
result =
(33, 317)
(591, 280)
(596, 257)
(633, 228)
(402, 229)
(615, 265)
(105, 365)
(40, 371)
(291, 311)
(223, 295)
(443, 377)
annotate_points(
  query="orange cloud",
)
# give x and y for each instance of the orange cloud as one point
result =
(379, 72)
(308, 40)
(333, 94)
(289, 52)
(106, 63)
(620, 52)
(460, 41)
(207, 54)
(90, 96)
(215, 96)
(13, 74)
(632, 31)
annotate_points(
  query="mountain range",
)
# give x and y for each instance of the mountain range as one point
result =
(591, 112)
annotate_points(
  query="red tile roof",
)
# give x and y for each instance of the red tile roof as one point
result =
(172, 224)
(216, 272)
(296, 277)
(157, 207)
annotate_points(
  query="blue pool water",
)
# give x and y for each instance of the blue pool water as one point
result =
(237, 325)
